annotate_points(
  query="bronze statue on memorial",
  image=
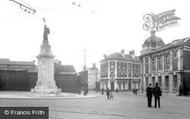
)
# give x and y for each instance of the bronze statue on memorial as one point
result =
(46, 32)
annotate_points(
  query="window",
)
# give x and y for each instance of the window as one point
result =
(159, 65)
(104, 70)
(175, 61)
(153, 64)
(167, 61)
(112, 69)
(174, 54)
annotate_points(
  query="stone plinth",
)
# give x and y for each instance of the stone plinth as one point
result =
(45, 83)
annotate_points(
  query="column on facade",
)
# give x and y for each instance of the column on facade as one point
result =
(115, 85)
(156, 79)
(105, 86)
(132, 70)
(179, 56)
(121, 86)
(115, 82)
(163, 63)
(171, 61)
(149, 65)
(126, 85)
(170, 83)
(144, 61)
(143, 76)
(144, 83)
(163, 82)
(150, 79)
(156, 63)
(109, 84)
(108, 69)
(115, 69)
(163, 76)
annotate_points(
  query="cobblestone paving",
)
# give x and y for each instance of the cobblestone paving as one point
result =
(123, 106)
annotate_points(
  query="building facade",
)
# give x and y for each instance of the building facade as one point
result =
(93, 78)
(120, 71)
(167, 64)
(66, 78)
(17, 75)
(22, 76)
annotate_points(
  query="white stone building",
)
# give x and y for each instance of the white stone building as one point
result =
(93, 77)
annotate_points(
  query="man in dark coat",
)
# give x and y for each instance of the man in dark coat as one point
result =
(149, 92)
(108, 93)
(157, 94)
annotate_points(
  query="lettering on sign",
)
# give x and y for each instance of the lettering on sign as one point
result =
(160, 21)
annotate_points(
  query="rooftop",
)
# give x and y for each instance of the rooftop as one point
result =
(7, 61)
(122, 56)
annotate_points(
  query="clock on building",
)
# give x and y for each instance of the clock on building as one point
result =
(153, 45)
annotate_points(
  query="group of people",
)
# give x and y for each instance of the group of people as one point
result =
(109, 93)
(153, 91)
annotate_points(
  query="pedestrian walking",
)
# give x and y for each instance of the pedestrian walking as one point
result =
(157, 94)
(108, 93)
(135, 91)
(117, 90)
(111, 95)
(149, 92)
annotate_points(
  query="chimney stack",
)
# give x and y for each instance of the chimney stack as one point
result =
(123, 52)
(132, 53)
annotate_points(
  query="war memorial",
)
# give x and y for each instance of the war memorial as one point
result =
(45, 98)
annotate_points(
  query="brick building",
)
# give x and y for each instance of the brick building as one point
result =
(22, 76)
(167, 64)
(17, 75)
(120, 71)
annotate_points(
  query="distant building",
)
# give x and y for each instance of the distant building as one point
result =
(167, 64)
(83, 77)
(6, 64)
(17, 75)
(66, 77)
(120, 71)
(93, 78)
(22, 76)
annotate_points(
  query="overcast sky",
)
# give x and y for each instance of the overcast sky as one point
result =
(100, 26)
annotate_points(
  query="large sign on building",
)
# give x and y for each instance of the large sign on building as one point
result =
(160, 21)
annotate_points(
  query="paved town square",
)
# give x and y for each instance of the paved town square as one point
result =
(125, 105)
